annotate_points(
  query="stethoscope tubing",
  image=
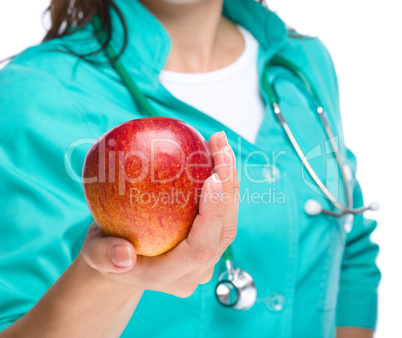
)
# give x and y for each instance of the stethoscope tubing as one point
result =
(274, 101)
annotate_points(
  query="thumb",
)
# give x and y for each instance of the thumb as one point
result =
(108, 254)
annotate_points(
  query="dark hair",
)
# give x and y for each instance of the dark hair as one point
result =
(68, 16)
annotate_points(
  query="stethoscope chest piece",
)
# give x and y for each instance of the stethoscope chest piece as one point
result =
(236, 288)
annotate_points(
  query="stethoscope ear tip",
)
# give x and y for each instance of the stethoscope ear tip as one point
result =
(374, 206)
(312, 208)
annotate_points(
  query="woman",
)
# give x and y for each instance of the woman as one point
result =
(199, 61)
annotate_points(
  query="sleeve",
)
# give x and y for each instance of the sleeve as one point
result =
(360, 276)
(43, 215)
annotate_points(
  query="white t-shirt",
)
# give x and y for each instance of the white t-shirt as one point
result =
(230, 95)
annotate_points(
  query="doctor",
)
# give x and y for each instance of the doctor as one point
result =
(200, 61)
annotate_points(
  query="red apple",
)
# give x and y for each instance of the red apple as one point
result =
(142, 181)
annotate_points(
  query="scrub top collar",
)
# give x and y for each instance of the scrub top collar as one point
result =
(149, 44)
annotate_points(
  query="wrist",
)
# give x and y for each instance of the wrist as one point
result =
(353, 332)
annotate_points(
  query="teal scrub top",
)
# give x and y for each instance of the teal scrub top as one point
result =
(311, 275)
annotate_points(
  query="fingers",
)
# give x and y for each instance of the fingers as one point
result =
(207, 276)
(200, 248)
(225, 166)
(108, 254)
(203, 239)
(186, 285)
(224, 159)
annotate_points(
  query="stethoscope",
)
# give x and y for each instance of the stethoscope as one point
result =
(236, 288)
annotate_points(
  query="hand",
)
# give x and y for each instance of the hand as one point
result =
(353, 332)
(191, 262)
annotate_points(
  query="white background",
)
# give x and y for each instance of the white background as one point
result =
(364, 38)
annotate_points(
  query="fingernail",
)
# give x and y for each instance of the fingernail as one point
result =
(207, 187)
(121, 256)
(229, 149)
(222, 140)
(216, 178)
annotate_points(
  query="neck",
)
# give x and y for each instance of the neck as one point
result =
(202, 39)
